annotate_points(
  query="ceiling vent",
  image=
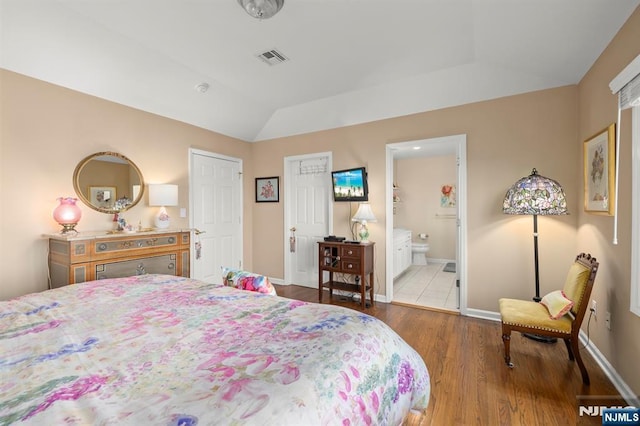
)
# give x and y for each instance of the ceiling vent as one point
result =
(272, 57)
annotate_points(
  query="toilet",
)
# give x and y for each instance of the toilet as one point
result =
(419, 253)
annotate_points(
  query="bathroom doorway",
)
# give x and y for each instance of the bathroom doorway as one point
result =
(426, 181)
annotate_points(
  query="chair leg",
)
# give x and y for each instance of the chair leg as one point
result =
(583, 369)
(506, 338)
(568, 345)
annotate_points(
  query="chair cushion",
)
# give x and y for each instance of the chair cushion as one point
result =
(247, 281)
(575, 284)
(533, 315)
(557, 303)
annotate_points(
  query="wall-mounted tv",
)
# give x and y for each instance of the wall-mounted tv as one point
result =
(350, 185)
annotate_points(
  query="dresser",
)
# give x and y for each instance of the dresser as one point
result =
(82, 257)
(350, 267)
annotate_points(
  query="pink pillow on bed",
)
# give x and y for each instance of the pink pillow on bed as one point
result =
(244, 280)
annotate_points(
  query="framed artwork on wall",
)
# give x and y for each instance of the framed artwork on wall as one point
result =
(448, 196)
(599, 172)
(268, 189)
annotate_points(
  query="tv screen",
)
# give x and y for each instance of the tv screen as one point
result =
(350, 185)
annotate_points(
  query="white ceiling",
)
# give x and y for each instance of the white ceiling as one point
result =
(351, 61)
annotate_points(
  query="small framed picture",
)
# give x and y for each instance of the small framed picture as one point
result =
(599, 172)
(268, 189)
(102, 196)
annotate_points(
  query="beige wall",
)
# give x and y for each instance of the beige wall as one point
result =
(598, 109)
(46, 130)
(506, 138)
(419, 183)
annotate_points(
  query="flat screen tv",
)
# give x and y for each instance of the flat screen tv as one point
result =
(350, 185)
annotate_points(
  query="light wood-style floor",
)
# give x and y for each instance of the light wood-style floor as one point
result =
(470, 383)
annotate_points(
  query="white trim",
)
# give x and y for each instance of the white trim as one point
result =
(454, 144)
(482, 314)
(634, 302)
(625, 76)
(625, 391)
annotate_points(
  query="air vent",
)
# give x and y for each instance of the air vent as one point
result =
(272, 57)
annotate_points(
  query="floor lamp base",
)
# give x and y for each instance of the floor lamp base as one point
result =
(539, 338)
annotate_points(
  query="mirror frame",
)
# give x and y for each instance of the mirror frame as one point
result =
(81, 165)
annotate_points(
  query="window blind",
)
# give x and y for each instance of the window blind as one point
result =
(627, 86)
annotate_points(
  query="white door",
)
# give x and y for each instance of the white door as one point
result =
(308, 213)
(216, 214)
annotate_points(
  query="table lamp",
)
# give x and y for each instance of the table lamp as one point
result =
(163, 195)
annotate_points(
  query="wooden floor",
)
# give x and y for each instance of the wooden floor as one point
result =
(470, 383)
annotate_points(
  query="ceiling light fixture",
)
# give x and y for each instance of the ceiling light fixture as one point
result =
(261, 9)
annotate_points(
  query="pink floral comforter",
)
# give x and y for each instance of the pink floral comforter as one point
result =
(165, 350)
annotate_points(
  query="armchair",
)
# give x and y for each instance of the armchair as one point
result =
(536, 318)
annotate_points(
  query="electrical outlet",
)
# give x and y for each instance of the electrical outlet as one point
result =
(607, 320)
(593, 308)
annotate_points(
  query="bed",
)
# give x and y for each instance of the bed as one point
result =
(165, 350)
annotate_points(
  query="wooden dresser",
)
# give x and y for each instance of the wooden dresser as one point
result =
(92, 256)
(350, 267)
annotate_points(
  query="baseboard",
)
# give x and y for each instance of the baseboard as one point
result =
(479, 313)
(625, 391)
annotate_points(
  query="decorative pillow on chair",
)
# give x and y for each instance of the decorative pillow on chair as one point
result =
(557, 303)
(247, 281)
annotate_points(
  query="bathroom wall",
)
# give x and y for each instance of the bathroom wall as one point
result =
(420, 181)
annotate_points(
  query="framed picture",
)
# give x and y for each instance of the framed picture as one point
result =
(599, 172)
(448, 196)
(268, 189)
(102, 196)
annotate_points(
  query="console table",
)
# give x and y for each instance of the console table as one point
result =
(77, 258)
(350, 259)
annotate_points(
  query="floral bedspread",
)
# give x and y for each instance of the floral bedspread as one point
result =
(165, 350)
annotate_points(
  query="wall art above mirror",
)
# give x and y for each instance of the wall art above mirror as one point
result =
(108, 182)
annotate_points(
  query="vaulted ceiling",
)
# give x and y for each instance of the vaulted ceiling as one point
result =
(348, 61)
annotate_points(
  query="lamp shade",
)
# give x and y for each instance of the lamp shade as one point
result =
(67, 213)
(535, 195)
(261, 9)
(163, 195)
(364, 214)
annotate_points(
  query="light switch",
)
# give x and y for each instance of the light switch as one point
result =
(183, 212)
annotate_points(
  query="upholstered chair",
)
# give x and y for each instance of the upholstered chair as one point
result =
(558, 315)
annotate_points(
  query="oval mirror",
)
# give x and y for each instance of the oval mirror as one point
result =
(108, 182)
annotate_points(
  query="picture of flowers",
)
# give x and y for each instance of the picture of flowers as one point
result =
(599, 172)
(267, 190)
(448, 196)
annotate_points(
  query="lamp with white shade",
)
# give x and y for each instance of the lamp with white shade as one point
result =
(363, 216)
(163, 195)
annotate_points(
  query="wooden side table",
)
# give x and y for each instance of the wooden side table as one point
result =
(346, 258)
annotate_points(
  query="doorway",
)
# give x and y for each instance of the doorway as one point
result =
(437, 273)
(308, 210)
(215, 200)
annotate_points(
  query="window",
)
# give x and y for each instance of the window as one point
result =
(627, 86)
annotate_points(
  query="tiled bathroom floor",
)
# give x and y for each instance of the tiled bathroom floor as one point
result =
(426, 285)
